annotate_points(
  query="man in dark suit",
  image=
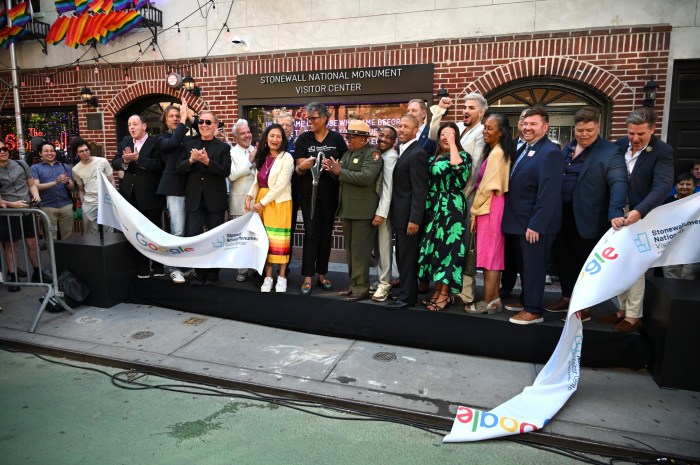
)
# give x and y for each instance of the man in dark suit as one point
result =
(650, 173)
(594, 194)
(408, 195)
(206, 161)
(138, 157)
(533, 211)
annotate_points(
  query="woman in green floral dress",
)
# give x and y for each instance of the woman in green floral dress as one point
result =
(442, 248)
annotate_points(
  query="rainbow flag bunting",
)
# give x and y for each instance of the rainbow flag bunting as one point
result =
(75, 30)
(64, 6)
(19, 14)
(140, 4)
(57, 31)
(100, 6)
(81, 6)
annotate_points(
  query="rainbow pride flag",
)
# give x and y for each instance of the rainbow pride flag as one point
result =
(64, 6)
(119, 5)
(11, 34)
(57, 31)
(19, 14)
(81, 6)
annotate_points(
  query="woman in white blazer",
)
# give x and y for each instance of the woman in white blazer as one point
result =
(272, 191)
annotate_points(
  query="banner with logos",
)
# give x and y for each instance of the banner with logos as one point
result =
(668, 235)
(240, 243)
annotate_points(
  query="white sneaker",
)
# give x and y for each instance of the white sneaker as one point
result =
(266, 285)
(176, 276)
(281, 285)
(381, 294)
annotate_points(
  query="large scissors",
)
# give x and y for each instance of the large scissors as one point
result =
(316, 173)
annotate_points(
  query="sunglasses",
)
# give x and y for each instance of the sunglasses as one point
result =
(3, 149)
(208, 122)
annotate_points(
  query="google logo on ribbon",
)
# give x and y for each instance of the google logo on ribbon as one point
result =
(160, 249)
(490, 420)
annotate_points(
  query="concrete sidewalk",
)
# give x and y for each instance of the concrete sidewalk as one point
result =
(613, 411)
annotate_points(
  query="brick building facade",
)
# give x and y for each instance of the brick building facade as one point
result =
(612, 62)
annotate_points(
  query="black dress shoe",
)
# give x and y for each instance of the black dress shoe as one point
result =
(397, 304)
(21, 273)
(199, 280)
(358, 297)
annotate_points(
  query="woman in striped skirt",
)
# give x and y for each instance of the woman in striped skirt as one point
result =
(272, 191)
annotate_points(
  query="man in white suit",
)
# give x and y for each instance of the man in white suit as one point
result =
(242, 175)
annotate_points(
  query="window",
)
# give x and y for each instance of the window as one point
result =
(561, 99)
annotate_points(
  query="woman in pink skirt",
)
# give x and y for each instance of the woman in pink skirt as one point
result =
(487, 211)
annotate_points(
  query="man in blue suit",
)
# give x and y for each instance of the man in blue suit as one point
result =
(532, 214)
(419, 110)
(650, 173)
(594, 194)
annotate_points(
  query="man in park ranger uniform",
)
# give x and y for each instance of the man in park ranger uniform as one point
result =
(357, 171)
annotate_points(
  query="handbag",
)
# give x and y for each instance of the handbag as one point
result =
(470, 262)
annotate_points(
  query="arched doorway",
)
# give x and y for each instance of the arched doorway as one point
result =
(150, 107)
(560, 97)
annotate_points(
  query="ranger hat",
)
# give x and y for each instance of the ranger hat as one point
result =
(357, 127)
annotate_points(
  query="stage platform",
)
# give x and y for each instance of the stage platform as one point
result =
(451, 330)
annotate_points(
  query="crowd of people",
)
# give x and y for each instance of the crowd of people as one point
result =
(433, 200)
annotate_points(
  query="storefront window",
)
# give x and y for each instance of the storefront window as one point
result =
(54, 125)
(377, 115)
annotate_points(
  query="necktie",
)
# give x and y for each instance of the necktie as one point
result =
(522, 154)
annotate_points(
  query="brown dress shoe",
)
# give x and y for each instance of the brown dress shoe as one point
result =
(345, 292)
(561, 305)
(612, 319)
(626, 327)
(358, 297)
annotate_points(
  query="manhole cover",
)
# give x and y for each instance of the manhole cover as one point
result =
(384, 356)
(142, 334)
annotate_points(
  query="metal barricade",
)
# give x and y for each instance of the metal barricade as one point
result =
(21, 228)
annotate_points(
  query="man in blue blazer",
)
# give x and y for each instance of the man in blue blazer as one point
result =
(650, 172)
(419, 110)
(594, 194)
(532, 214)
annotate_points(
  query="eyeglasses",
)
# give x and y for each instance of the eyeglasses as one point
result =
(311, 119)
(3, 149)
(208, 122)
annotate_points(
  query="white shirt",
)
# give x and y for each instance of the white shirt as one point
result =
(139, 143)
(632, 157)
(403, 147)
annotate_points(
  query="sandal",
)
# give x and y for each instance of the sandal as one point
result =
(324, 284)
(435, 306)
(479, 308)
(305, 288)
(495, 306)
(431, 300)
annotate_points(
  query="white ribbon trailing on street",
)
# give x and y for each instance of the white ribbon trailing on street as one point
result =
(668, 235)
(240, 243)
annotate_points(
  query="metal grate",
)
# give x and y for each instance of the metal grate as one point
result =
(142, 334)
(384, 356)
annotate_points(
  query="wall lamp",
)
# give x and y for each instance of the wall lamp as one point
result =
(650, 94)
(238, 40)
(191, 86)
(86, 95)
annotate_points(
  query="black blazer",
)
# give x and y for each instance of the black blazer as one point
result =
(202, 180)
(170, 149)
(141, 179)
(652, 177)
(600, 193)
(410, 188)
(533, 199)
